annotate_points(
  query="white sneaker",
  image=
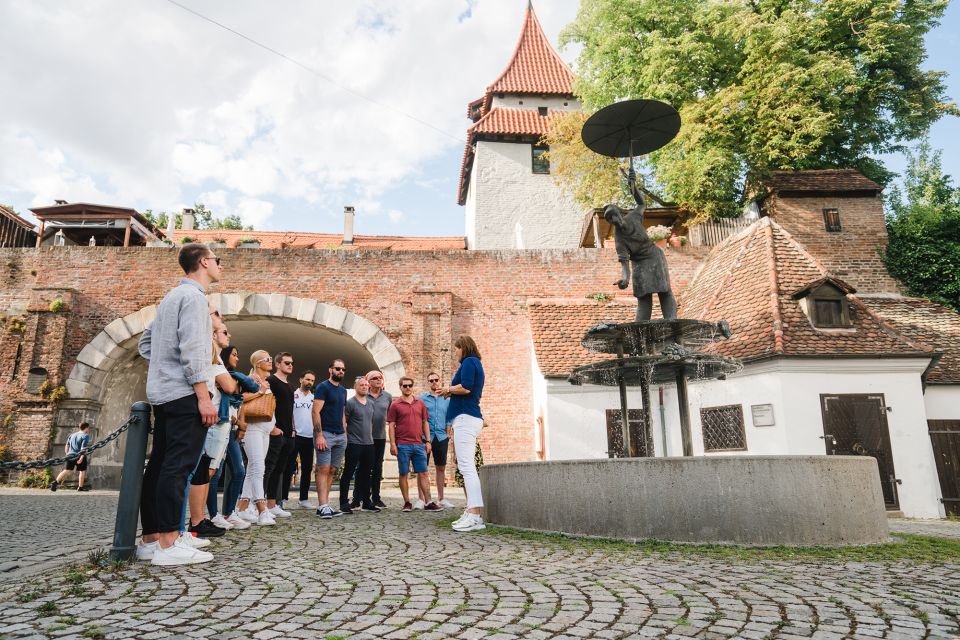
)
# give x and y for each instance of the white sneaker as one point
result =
(473, 523)
(278, 512)
(238, 522)
(179, 553)
(192, 541)
(463, 516)
(418, 505)
(222, 522)
(446, 504)
(306, 504)
(247, 515)
(145, 550)
(266, 519)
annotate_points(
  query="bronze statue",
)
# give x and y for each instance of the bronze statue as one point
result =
(636, 251)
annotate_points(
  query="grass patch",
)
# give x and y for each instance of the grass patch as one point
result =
(913, 548)
(48, 609)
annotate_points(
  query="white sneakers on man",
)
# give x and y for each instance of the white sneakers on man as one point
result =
(179, 553)
(306, 504)
(446, 504)
(192, 541)
(418, 505)
(278, 512)
(237, 522)
(222, 522)
(250, 515)
(266, 519)
(468, 522)
(145, 550)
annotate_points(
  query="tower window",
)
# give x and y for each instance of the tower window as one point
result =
(827, 308)
(831, 220)
(540, 162)
(542, 111)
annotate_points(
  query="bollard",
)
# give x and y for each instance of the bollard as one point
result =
(131, 481)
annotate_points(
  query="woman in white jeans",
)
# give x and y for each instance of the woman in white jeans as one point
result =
(255, 444)
(467, 421)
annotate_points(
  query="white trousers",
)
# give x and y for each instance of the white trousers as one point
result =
(466, 430)
(255, 444)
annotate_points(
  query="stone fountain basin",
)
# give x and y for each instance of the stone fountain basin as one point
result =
(754, 500)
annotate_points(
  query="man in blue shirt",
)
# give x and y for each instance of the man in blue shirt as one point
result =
(329, 433)
(77, 441)
(439, 434)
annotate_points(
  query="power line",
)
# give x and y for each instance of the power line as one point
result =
(316, 73)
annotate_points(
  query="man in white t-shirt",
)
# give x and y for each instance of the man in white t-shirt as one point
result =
(303, 426)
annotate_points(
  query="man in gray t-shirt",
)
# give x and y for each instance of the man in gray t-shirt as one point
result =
(381, 403)
(359, 456)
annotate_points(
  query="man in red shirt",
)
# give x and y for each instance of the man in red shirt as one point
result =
(408, 424)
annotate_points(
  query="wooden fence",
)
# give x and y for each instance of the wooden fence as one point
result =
(716, 231)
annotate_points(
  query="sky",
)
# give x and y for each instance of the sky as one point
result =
(303, 108)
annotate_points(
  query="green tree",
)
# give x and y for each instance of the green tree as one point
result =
(204, 219)
(923, 221)
(763, 85)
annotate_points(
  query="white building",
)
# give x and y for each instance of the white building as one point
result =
(827, 371)
(510, 199)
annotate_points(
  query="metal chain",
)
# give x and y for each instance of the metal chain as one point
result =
(56, 462)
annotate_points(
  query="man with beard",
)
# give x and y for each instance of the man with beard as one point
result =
(303, 424)
(330, 433)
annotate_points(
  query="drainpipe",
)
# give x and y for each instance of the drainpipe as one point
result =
(348, 215)
(663, 423)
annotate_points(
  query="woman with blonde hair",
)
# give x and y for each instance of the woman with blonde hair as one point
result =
(255, 444)
(464, 415)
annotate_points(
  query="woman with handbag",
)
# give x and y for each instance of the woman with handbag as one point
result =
(257, 413)
(230, 405)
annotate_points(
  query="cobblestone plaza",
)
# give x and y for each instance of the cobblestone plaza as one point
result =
(401, 575)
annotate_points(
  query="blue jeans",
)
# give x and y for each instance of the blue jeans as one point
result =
(231, 492)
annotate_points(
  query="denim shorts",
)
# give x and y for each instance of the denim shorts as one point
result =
(332, 456)
(415, 453)
(215, 446)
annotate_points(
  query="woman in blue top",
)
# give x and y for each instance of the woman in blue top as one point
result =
(464, 416)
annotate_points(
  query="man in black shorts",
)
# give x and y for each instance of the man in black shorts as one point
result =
(439, 434)
(77, 441)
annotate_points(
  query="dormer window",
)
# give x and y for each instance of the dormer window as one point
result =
(542, 111)
(540, 162)
(831, 220)
(825, 304)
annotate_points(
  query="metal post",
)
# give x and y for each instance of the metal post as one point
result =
(624, 416)
(131, 481)
(683, 403)
(647, 421)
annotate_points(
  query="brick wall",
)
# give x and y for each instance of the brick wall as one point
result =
(852, 254)
(422, 301)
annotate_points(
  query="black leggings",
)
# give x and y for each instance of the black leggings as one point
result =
(303, 450)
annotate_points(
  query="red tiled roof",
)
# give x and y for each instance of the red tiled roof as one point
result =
(308, 240)
(821, 180)
(558, 325)
(749, 280)
(521, 122)
(928, 323)
(534, 66)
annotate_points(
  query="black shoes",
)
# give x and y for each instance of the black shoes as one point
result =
(345, 508)
(83, 488)
(54, 485)
(206, 529)
(355, 503)
(379, 504)
(371, 508)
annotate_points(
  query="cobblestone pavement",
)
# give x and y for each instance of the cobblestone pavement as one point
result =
(397, 575)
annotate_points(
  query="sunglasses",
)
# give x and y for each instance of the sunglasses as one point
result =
(375, 378)
(215, 313)
(339, 368)
(434, 380)
(405, 386)
(267, 359)
(288, 363)
(214, 258)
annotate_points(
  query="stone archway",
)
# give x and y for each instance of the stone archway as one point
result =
(103, 384)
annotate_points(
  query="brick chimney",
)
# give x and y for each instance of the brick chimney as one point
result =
(348, 215)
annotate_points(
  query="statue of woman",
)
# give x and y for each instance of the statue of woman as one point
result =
(635, 250)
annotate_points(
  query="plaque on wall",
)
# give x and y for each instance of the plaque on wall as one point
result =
(762, 415)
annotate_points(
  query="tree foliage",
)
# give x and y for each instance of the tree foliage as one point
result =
(764, 85)
(204, 219)
(924, 227)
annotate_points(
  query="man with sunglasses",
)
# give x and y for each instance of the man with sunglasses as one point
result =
(177, 346)
(439, 436)
(330, 433)
(409, 426)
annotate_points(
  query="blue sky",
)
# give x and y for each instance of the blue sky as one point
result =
(145, 104)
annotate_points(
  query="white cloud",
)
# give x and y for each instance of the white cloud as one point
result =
(143, 104)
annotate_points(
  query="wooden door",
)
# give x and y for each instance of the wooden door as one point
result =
(640, 443)
(856, 425)
(945, 438)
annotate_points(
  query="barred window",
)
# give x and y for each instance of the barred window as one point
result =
(640, 445)
(723, 428)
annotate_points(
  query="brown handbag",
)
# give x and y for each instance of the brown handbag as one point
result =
(260, 408)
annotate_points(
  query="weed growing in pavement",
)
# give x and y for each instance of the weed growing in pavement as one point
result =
(28, 596)
(98, 558)
(48, 609)
(67, 620)
(911, 548)
(94, 631)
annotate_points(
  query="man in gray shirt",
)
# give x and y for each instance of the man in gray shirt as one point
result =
(381, 403)
(359, 456)
(179, 347)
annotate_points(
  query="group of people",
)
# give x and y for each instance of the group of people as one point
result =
(209, 416)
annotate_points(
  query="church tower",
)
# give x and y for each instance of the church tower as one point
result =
(510, 198)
